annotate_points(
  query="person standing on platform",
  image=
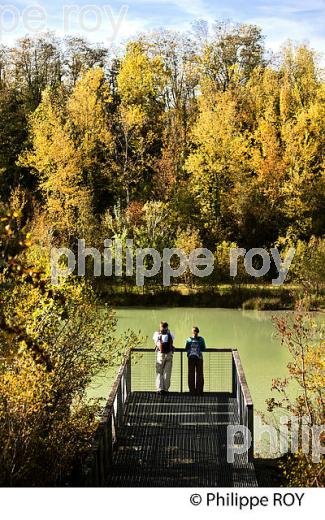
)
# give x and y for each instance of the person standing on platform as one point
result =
(194, 347)
(164, 342)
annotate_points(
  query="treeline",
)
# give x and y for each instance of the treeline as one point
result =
(182, 140)
(185, 140)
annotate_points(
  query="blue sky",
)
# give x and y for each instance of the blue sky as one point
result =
(280, 19)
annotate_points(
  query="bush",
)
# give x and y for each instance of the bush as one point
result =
(304, 340)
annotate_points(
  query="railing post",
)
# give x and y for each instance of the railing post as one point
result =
(250, 425)
(95, 468)
(129, 375)
(234, 376)
(119, 408)
(107, 443)
(245, 403)
(181, 372)
(101, 461)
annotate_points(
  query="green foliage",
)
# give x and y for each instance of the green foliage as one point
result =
(308, 267)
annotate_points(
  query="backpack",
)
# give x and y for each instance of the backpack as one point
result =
(195, 349)
(165, 342)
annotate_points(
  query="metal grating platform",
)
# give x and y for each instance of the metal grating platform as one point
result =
(178, 440)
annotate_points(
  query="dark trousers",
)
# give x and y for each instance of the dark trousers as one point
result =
(195, 375)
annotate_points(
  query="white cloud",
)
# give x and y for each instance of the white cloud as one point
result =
(279, 30)
(289, 7)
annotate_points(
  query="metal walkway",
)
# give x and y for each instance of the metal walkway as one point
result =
(147, 440)
(178, 440)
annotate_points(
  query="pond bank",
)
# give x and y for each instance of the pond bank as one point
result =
(253, 297)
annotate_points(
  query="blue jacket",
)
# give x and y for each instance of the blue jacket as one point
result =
(195, 346)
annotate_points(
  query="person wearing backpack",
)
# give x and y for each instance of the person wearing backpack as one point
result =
(164, 342)
(194, 347)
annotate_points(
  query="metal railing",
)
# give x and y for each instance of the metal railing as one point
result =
(94, 468)
(244, 400)
(223, 373)
(217, 370)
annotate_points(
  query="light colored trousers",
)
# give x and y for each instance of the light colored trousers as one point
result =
(164, 364)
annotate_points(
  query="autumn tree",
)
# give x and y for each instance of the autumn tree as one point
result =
(231, 54)
(71, 143)
(178, 53)
(219, 165)
(36, 64)
(140, 81)
(79, 56)
(13, 134)
(91, 118)
(302, 131)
